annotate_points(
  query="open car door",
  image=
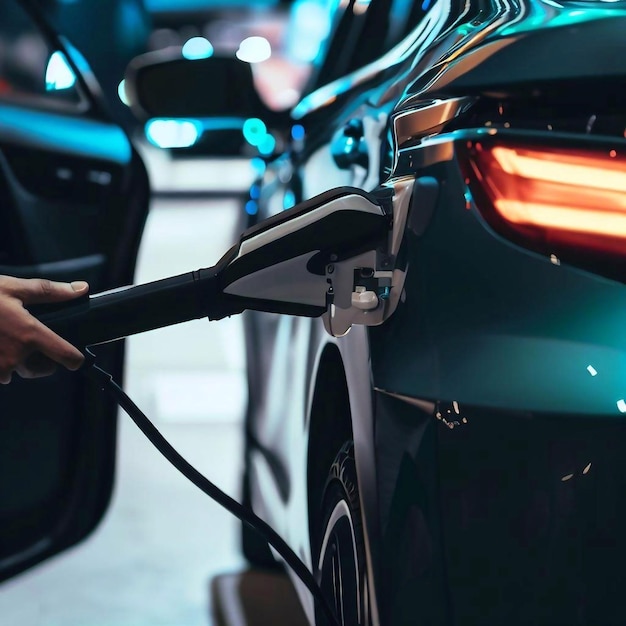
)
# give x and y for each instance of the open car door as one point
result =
(73, 200)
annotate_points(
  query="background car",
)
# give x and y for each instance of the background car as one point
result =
(56, 487)
(74, 198)
(461, 462)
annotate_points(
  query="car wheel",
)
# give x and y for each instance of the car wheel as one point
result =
(341, 554)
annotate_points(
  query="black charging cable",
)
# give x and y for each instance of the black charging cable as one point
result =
(106, 383)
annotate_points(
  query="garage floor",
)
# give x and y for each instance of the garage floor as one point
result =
(151, 561)
(255, 598)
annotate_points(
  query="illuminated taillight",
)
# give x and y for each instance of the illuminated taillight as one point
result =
(566, 201)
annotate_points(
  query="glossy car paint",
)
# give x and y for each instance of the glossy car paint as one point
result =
(487, 449)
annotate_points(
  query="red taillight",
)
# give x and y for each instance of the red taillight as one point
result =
(564, 201)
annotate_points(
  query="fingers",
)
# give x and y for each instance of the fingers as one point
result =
(26, 345)
(36, 366)
(39, 364)
(56, 348)
(40, 290)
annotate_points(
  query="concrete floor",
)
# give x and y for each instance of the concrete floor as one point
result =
(152, 559)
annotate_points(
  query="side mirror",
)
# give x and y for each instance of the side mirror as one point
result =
(164, 84)
(335, 256)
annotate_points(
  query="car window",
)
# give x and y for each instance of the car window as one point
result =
(31, 71)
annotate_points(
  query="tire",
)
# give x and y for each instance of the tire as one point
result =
(341, 567)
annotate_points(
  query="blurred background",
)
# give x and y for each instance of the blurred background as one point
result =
(162, 541)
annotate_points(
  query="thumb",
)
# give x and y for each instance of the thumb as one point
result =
(41, 290)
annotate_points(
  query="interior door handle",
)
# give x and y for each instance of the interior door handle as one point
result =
(349, 147)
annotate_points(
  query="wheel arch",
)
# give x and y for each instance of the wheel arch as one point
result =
(341, 407)
(330, 426)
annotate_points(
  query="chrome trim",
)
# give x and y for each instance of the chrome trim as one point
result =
(425, 119)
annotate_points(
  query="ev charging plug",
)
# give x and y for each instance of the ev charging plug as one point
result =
(333, 255)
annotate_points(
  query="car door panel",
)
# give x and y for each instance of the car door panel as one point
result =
(57, 186)
(73, 201)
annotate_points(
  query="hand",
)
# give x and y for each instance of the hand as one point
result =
(27, 346)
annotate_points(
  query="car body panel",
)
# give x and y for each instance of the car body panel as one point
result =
(486, 330)
(492, 313)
